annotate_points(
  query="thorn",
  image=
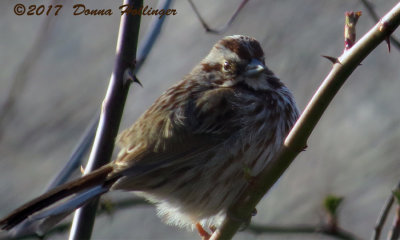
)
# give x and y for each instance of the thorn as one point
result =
(389, 29)
(136, 80)
(129, 77)
(332, 59)
(82, 169)
(304, 148)
(387, 39)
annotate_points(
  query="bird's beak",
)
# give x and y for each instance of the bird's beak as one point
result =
(254, 68)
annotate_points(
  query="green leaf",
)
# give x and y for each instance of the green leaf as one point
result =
(332, 203)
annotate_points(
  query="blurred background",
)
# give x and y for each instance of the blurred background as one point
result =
(353, 152)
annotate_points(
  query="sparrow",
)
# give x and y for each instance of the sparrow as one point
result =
(192, 151)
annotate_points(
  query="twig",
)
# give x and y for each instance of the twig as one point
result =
(257, 229)
(394, 234)
(75, 160)
(298, 229)
(110, 117)
(296, 140)
(109, 208)
(374, 15)
(226, 26)
(330, 227)
(77, 154)
(147, 43)
(383, 215)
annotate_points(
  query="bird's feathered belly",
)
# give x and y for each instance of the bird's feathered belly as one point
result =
(225, 170)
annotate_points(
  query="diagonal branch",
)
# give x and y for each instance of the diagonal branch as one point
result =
(383, 215)
(375, 16)
(296, 140)
(394, 233)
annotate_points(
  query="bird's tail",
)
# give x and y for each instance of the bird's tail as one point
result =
(76, 193)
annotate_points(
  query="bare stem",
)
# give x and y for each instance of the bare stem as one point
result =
(111, 114)
(297, 138)
(395, 232)
(375, 16)
(75, 160)
(383, 215)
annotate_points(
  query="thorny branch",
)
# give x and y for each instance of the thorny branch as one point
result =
(374, 15)
(297, 138)
(83, 146)
(110, 117)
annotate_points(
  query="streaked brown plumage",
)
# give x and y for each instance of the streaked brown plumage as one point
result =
(189, 153)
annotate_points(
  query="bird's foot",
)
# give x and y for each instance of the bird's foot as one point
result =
(203, 233)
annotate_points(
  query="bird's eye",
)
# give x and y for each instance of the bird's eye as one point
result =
(227, 65)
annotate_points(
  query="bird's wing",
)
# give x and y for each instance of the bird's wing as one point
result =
(167, 135)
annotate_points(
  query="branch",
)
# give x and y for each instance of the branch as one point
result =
(75, 160)
(394, 233)
(110, 117)
(383, 215)
(151, 36)
(375, 16)
(330, 227)
(86, 141)
(226, 26)
(77, 154)
(297, 229)
(109, 208)
(331, 205)
(296, 140)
